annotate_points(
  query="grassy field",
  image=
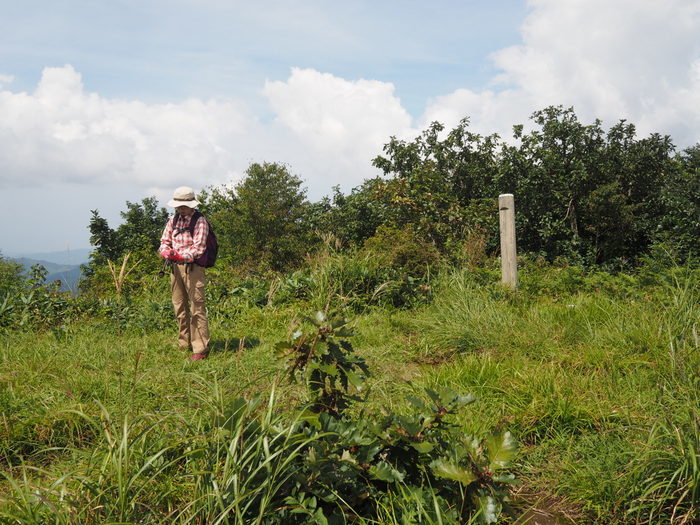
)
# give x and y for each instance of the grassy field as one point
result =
(596, 376)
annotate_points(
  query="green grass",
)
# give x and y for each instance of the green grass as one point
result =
(583, 380)
(596, 377)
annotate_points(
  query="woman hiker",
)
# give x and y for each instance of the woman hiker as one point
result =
(187, 280)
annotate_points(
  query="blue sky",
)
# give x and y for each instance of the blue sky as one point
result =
(169, 50)
(107, 101)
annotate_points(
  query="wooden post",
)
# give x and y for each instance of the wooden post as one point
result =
(509, 264)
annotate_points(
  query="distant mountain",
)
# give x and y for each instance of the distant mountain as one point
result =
(69, 279)
(65, 257)
(68, 274)
(52, 267)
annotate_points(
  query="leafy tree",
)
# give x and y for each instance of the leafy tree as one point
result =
(140, 231)
(355, 217)
(264, 227)
(104, 239)
(139, 235)
(582, 193)
(143, 225)
(680, 222)
(10, 276)
(216, 201)
(437, 180)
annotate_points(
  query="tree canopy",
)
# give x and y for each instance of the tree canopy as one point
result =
(583, 194)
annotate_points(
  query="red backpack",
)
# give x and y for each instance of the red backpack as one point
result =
(208, 258)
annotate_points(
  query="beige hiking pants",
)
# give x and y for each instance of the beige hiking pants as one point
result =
(187, 283)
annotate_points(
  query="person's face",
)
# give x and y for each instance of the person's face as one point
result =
(185, 211)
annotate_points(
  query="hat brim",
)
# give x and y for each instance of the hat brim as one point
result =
(190, 204)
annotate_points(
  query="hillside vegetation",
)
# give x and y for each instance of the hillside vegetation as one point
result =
(367, 366)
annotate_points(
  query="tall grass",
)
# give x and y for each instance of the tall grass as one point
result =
(666, 474)
(228, 467)
(600, 380)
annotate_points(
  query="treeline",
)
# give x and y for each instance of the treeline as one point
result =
(584, 196)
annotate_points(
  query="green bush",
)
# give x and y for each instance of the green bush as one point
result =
(11, 278)
(362, 464)
(401, 249)
(360, 279)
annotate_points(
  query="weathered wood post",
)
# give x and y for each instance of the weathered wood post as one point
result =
(509, 264)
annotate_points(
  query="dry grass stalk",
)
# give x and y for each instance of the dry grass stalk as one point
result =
(123, 272)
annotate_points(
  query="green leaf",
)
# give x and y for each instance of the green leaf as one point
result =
(418, 403)
(408, 425)
(449, 398)
(232, 415)
(319, 517)
(502, 448)
(460, 400)
(433, 395)
(283, 349)
(489, 509)
(423, 447)
(338, 322)
(347, 456)
(505, 478)
(331, 369)
(355, 379)
(344, 332)
(447, 470)
(385, 472)
(310, 417)
(367, 453)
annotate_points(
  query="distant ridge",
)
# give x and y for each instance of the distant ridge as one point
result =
(60, 266)
(63, 257)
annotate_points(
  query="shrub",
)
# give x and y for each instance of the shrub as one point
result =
(403, 250)
(365, 465)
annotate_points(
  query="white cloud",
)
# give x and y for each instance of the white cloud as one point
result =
(344, 123)
(609, 60)
(60, 133)
(327, 129)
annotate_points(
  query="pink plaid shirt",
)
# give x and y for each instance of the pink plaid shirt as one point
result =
(180, 239)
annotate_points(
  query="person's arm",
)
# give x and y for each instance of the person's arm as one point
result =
(166, 242)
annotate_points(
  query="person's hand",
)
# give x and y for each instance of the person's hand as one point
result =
(165, 254)
(176, 257)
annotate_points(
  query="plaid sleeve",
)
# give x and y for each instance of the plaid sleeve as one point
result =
(166, 242)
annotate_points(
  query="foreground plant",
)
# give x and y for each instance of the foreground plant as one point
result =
(363, 465)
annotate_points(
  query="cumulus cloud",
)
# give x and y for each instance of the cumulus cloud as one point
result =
(60, 133)
(342, 122)
(609, 60)
(326, 128)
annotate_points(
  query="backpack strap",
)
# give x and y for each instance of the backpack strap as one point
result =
(193, 222)
(176, 231)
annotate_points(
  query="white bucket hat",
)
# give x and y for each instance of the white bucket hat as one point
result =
(183, 196)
